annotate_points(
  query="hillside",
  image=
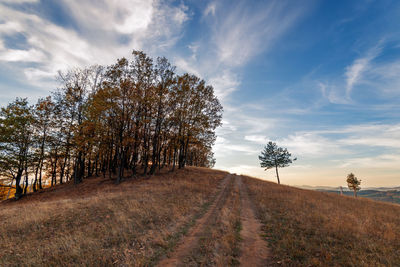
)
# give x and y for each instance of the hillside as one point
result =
(193, 217)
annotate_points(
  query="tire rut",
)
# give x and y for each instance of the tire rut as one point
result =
(254, 250)
(190, 241)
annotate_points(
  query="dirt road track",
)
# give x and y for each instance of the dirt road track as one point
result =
(190, 241)
(253, 249)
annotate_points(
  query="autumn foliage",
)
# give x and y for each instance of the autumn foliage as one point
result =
(134, 117)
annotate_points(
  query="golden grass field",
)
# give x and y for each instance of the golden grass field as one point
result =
(99, 223)
(309, 228)
(142, 221)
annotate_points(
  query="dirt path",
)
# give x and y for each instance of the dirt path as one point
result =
(254, 250)
(191, 240)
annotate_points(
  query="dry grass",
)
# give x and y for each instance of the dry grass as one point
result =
(138, 222)
(219, 244)
(308, 228)
(98, 223)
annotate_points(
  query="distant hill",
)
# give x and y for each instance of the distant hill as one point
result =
(387, 194)
(392, 196)
(345, 188)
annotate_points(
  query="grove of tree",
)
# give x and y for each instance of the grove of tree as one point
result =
(133, 117)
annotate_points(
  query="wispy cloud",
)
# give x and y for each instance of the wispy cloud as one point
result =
(363, 71)
(225, 83)
(354, 72)
(247, 30)
(210, 9)
(238, 32)
(339, 141)
(20, 1)
(306, 144)
(379, 161)
(258, 139)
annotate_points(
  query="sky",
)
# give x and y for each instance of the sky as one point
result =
(321, 78)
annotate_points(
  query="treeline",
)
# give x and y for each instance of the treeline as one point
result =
(133, 117)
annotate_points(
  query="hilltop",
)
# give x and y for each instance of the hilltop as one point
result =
(196, 216)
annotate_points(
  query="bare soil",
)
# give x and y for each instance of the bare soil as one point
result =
(177, 258)
(254, 250)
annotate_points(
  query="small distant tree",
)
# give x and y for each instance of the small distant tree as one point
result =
(276, 157)
(353, 183)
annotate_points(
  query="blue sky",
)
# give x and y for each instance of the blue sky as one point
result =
(321, 78)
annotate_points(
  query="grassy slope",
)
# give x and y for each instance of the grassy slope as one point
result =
(100, 223)
(310, 228)
(136, 223)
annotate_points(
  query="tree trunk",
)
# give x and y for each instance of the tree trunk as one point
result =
(174, 160)
(35, 181)
(78, 169)
(277, 174)
(120, 166)
(18, 188)
(26, 179)
(40, 175)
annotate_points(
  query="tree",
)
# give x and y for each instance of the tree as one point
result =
(353, 183)
(136, 113)
(275, 157)
(15, 142)
(43, 122)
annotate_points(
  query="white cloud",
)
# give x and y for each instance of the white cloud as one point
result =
(375, 135)
(380, 161)
(210, 9)
(246, 30)
(258, 139)
(354, 72)
(253, 125)
(224, 83)
(19, 1)
(14, 55)
(384, 78)
(10, 27)
(122, 16)
(225, 147)
(187, 66)
(327, 143)
(146, 25)
(333, 93)
(238, 32)
(362, 71)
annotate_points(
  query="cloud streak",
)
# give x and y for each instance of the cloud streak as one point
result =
(354, 72)
(247, 30)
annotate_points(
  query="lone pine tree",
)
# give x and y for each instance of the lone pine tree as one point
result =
(276, 157)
